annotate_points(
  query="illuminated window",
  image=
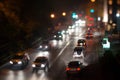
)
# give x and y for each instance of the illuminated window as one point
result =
(110, 2)
(110, 11)
(118, 2)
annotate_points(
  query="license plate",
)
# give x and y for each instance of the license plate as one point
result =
(73, 69)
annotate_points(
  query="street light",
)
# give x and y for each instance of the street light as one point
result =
(64, 14)
(52, 15)
(92, 0)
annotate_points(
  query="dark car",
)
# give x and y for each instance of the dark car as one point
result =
(40, 63)
(44, 46)
(20, 60)
(58, 36)
(89, 35)
(81, 42)
(73, 68)
(78, 49)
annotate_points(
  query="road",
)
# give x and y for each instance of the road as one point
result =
(59, 55)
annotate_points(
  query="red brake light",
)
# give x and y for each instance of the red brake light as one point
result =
(67, 69)
(78, 69)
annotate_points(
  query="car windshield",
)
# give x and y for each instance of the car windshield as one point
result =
(78, 49)
(18, 57)
(104, 42)
(41, 59)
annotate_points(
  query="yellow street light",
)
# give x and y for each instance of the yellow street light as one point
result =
(52, 15)
(64, 13)
(92, 0)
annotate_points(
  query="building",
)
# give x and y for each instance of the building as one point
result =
(114, 14)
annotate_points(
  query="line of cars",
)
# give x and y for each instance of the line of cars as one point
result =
(42, 63)
(21, 60)
(74, 67)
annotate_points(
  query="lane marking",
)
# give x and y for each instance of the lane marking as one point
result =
(60, 52)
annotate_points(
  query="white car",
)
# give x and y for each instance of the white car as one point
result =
(76, 55)
(78, 52)
(105, 43)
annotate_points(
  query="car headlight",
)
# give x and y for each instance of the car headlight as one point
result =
(42, 65)
(19, 62)
(60, 36)
(33, 65)
(54, 36)
(11, 62)
(46, 46)
(40, 47)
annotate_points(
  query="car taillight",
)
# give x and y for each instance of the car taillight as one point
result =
(84, 43)
(67, 69)
(78, 69)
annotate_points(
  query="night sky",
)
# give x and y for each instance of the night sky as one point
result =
(40, 6)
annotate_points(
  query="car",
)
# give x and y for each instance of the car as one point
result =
(44, 46)
(105, 43)
(82, 43)
(65, 32)
(40, 63)
(58, 36)
(73, 68)
(90, 30)
(78, 52)
(20, 60)
(89, 35)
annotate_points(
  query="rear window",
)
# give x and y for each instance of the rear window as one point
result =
(74, 64)
(81, 41)
(104, 42)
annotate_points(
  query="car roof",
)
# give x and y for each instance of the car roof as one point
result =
(20, 53)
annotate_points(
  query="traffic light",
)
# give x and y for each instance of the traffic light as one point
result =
(92, 10)
(74, 15)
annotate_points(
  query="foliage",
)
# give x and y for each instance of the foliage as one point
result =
(20, 25)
